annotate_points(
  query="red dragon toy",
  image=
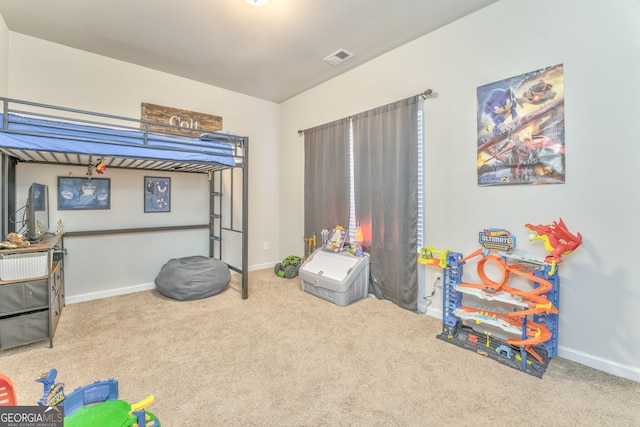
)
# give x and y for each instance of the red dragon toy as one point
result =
(557, 238)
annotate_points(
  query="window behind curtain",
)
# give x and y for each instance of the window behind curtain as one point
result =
(385, 152)
(368, 168)
(420, 171)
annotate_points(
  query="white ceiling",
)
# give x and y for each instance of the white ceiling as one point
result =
(271, 52)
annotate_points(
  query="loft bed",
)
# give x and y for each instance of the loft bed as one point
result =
(40, 133)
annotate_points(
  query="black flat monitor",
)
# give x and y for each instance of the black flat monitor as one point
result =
(37, 212)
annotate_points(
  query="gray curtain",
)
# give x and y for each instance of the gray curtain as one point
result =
(326, 177)
(386, 197)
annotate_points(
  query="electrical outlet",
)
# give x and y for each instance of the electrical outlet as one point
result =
(265, 246)
(438, 279)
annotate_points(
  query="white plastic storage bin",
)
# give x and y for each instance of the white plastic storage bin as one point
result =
(340, 278)
(22, 266)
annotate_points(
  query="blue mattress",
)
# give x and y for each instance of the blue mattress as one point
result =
(35, 134)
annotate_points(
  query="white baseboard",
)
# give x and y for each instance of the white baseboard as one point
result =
(135, 288)
(429, 311)
(434, 312)
(263, 266)
(601, 364)
(109, 293)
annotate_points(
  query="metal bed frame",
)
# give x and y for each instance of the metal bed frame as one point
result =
(104, 128)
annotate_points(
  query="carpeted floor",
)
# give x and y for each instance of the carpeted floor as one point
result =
(286, 358)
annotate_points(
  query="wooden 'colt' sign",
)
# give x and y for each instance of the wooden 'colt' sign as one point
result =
(189, 123)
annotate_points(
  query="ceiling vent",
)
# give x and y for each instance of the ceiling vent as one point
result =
(338, 56)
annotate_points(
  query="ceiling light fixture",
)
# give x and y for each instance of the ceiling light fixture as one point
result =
(257, 2)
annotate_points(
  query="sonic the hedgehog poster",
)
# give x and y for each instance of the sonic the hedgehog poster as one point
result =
(521, 129)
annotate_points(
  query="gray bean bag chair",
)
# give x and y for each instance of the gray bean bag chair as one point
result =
(192, 278)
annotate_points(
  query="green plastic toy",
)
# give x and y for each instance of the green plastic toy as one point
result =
(289, 267)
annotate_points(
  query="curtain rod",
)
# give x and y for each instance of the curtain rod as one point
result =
(424, 95)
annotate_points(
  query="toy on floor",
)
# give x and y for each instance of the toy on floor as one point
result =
(513, 323)
(53, 392)
(7, 391)
(95, 404)
(289, 267)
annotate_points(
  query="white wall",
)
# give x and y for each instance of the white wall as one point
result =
(4, 47)
(598, 43)
(120, 263)
(44, 72)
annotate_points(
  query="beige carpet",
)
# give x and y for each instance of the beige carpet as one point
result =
(286, 358)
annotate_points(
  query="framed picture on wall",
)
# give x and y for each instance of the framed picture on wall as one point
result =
(157, 194)
(83, 193)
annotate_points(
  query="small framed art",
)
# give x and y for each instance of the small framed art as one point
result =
(83, 193)
(157, 194)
